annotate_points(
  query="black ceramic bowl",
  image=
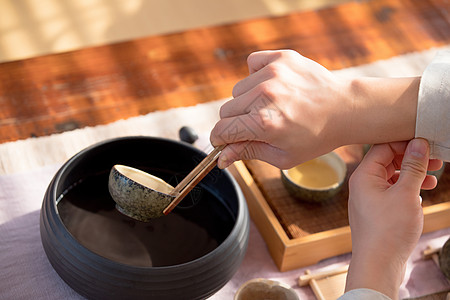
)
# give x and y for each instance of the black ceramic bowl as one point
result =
(101, 254)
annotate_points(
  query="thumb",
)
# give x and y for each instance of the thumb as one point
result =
(415, 164)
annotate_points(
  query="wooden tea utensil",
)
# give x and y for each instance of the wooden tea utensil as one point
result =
(432, 253)
(193, 178)
(326, 285)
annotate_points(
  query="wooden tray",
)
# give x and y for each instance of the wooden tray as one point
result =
(299, 234)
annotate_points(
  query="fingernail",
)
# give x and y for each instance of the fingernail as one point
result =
(418, 147)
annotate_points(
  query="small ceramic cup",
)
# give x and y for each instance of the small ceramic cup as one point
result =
(138, 194)
(260, 288)
(316, 180)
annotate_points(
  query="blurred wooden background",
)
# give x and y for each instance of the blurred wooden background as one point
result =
(34, 27)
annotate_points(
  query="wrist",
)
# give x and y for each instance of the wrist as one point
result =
(382, 109)
(379, 272)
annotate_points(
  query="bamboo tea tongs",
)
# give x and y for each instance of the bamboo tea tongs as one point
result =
(193, 178)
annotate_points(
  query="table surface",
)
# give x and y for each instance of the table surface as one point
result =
(98, 85)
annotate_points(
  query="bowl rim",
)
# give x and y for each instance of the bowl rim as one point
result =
(241, 215)
(331, 155)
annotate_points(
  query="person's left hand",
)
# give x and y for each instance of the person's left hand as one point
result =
(385, 213)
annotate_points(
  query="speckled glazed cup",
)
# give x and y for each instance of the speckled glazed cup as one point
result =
(98, 277)
(317, 194)
(135, 199)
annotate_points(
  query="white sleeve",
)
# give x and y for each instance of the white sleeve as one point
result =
(363, 294)
(433, 108)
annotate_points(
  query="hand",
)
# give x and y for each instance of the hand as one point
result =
(290, 109)
(285, 112)
(385, 213)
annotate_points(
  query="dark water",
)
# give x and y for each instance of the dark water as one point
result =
(88, 212)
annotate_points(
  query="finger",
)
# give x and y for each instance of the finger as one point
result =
(234, 152)
(398, 148)
(236, 129)
(434, 164)
(390, 170)
(414, 165)
(393, 179)
(381, 156)
(243, 104)
(251, 150)
(397, 162)
(259, 64)
(260, 59)
(376, 169)
(234, 107)
(251, 82)
(429, 183)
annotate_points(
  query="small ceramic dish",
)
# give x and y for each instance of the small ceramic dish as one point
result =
(260, 288)
(316, 180)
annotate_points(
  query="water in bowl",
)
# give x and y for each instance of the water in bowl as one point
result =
(89, 213)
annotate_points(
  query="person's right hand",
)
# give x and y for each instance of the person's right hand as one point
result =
(291, 109)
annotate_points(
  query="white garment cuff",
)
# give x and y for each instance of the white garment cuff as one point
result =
(433, 117)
